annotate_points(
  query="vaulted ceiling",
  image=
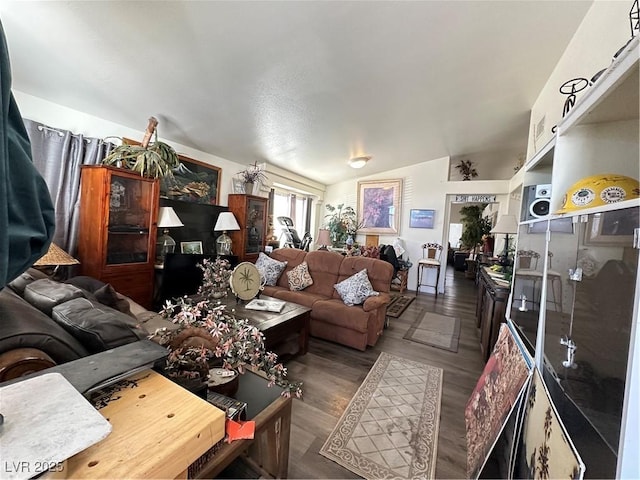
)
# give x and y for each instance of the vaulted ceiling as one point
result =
(302, 85)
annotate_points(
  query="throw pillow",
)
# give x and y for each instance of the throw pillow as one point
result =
(269, 268)
(299, 277)
(44, 294)
(108, 296)
(355, 289)
(97, 326)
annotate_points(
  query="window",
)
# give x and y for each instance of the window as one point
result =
(292, 205)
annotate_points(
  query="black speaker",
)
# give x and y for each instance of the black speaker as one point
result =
(536, 202)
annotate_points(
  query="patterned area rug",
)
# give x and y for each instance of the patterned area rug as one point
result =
(398, 305)
(390, 428)
(435, 330)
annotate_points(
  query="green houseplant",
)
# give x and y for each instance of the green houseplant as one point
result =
(150, 159)
(341, 222)
(474, 226)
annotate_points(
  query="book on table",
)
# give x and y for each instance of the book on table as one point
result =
(265, 305)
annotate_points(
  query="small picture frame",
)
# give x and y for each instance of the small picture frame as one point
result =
(237, 185)
(191, 247)
(421, 218)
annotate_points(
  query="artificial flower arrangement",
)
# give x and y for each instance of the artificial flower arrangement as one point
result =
(215, 277)
(208, 335)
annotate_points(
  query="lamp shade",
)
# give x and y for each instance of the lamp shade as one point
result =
(323, 237)
(226, 221)
(55, 256)
(506, 224)
(167, 218)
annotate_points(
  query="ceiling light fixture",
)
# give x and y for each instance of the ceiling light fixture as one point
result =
(358, 162)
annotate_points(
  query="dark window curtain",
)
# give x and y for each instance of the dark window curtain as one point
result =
(58, 155)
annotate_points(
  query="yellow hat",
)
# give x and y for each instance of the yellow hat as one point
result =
(598, 190)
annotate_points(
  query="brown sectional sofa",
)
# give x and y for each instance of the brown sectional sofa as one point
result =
(354, 326)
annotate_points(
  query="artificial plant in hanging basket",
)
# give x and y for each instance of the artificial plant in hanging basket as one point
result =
(467, 170)
(151, 160)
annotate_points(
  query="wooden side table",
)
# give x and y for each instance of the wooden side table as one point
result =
(402, 275)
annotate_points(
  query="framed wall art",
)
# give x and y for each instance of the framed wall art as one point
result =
(191, 247)
(611, 228)
(379, 203)
(192, 181)
(421, 218)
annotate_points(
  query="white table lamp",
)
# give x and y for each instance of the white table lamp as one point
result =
(167, 218)
(226, 221)
(506, 224)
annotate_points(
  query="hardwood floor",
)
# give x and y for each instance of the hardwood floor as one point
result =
(332, 374)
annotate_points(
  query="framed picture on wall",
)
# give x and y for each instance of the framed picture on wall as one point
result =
(421, 218)
(191, 247)
(379, 206)
(611, 228)
(192, 181)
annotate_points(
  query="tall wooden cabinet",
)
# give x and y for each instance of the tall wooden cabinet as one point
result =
(251, 213)
(118, 217)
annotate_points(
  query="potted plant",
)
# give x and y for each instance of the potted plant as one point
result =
(474, 226)
(208, 336)
(252, 175)
(342, 223)
(467, 169)
(151, 160)
(215, 277)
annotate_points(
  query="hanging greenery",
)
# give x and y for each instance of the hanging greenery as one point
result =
(153, 160)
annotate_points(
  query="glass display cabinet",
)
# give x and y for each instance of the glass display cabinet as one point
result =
(576, 313)
(117, 235)
(251, 213)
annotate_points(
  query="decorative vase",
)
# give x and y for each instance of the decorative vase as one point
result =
(349, 242)
(248, 188)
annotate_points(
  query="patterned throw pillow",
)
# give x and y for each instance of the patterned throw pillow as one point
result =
(270, 269)
(355, 289)
(299, 277)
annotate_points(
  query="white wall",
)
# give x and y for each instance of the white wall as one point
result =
(425, 185)
(61, 117)
(603, 31)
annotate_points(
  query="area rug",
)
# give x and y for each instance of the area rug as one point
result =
(390, 428)
(398, 304)
(435, 330)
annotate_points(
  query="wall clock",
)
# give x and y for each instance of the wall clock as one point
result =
(245, 281)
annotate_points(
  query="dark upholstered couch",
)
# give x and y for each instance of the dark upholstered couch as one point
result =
(44, 323)
(355, 326)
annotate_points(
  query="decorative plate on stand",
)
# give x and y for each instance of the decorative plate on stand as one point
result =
(245, 281)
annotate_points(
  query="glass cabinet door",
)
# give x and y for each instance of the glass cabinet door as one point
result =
(256, 224)
(129, 217)
(589, 313)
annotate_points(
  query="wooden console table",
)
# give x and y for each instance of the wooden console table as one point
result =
(490, 310)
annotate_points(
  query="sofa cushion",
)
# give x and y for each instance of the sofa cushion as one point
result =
(24, 326)
(89, 284)
(335, 312)
(97, 326)
(301, 298)
(323, 267)
(21, 281)
(269, 268)
(293, 257)
(299, 277)
(355, 289)
(44, 294)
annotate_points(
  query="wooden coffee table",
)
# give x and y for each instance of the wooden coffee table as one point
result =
(286, 332)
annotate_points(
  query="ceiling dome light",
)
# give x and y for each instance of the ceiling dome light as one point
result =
(358, 162)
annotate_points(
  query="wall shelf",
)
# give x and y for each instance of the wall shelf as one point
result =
(613, 97)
